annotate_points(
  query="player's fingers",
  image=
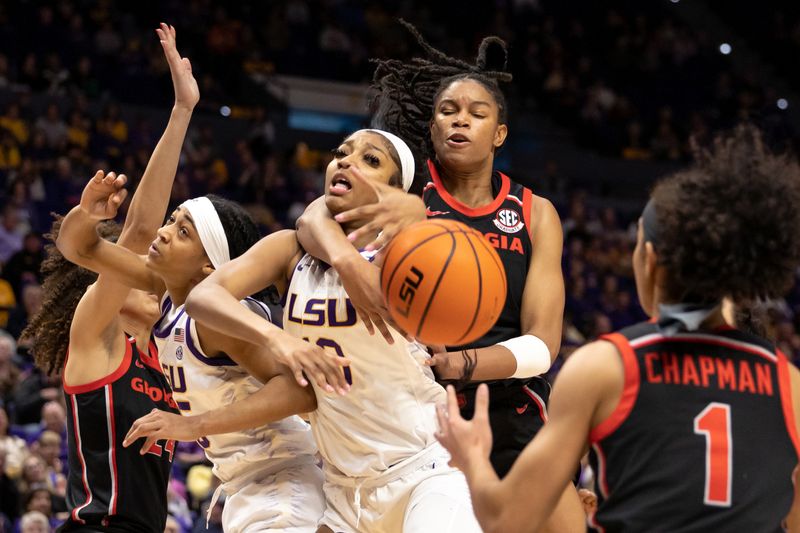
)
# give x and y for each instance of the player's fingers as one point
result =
(109, 178)
(299, 377)
(322, 381)
(453, 411)
(355, 214)
(98, 176)
(383, 328)
(120, 181)
(366, 229)
(119, 197)
(380, 241)
(148, 443)
(363, 314)
(482, 403)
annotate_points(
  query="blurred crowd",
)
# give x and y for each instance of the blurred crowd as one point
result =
(629, 80)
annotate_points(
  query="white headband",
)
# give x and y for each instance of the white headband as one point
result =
(404, 152)
(209, 228)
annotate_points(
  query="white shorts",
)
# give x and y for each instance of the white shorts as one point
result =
(289, 500)
(420, 495)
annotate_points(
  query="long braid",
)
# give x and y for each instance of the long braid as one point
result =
(404, 92)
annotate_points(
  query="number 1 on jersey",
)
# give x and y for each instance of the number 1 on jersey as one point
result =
(714, 423)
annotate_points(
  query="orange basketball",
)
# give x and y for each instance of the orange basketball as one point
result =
(443, 282)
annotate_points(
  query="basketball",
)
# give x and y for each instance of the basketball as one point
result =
(443, 282)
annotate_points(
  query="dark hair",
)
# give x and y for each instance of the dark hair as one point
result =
(405, 92)
(728, 224)
(242, 233)
(63, 287)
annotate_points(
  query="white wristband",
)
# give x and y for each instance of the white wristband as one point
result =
(531, 353)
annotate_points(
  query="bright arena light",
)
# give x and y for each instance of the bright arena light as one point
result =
(225, 111)
(782, 103)
(725, 49)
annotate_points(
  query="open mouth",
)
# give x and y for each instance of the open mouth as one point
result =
(340, 184)
(153, 251)
(458, 139)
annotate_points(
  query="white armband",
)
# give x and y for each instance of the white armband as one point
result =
(531, 353)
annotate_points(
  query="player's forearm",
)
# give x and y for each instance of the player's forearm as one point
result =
(321, 236)
(77, 237)
(149, 203)
(216, 308)
(485, 490)
(279, 398)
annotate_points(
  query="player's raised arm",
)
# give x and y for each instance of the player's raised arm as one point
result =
(590, 383)
(79, 242)
(149, 203)
(215, 303)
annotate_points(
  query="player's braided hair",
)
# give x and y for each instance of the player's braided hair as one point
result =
(404, 93)
(728, 225)
(242, 233)
(64, 285)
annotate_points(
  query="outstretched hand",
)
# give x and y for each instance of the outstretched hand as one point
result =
(466, 440)
(394, 210)
(159, 425)
(187, 93)
(103, 195)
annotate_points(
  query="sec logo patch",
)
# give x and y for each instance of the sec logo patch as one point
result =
(508, 221)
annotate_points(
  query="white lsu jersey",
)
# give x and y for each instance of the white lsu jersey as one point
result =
(389, 413)
(200, 384)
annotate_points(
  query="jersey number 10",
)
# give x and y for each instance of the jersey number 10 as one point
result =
(714, 423)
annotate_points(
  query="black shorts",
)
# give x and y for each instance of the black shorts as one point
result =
(517, 410)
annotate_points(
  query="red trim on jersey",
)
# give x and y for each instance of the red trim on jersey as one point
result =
(538, 401)
(733, 344)
(602, 466)
(102, 382)
(112, 450)
(629, 391)
(84, 473)
(527, 206)
(785, 385)
(494, 205)
(151, 357)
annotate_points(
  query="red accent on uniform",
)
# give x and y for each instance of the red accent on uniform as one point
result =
(629, 392)
(527, 206)
(151, 358)
(743, 346)
(462, 400)
(113, 444)
(487, 209)
(538, 401)
(84, 473)
(785, 385)
(102, 382)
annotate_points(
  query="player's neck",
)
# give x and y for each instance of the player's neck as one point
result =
(361, 242)
(178, 292)
(472, 187)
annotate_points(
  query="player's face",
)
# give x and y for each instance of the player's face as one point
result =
(464, 129)
(177, 254)
(141, 306)
(362, 157)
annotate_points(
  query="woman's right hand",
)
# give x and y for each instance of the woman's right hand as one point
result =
(325, 368)
(394, 211)
(103, 195)
(187, 94)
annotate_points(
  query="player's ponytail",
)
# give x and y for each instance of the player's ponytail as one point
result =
(404, 93)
